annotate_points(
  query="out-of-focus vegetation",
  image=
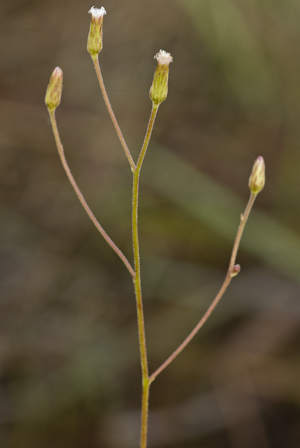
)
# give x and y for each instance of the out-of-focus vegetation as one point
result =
(70, 373)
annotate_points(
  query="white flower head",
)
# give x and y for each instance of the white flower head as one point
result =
(163, 57)
(97, 12)
(159, 89)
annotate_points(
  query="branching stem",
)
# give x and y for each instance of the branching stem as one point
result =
(80, 196)
(232, 272)
(111, 113)
(158, 93)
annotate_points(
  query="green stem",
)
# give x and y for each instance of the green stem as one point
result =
(111, 113)
(144, 414)
(232, 272)
(137, 281)
(80, 196)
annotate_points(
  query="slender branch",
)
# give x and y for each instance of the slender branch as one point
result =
(111, 113)
(137, 281)
(233, 270)
(80, 196)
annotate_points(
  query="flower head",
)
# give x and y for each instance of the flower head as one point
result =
(159, 88)
(54, 89)
(97, 12)
(163, 57)
(95, 41)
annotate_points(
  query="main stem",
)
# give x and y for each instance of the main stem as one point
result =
(137, 282)
(232, 272)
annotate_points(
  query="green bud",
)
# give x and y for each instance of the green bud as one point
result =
(159, 88)
(257, 178)
(95, 41)
(54, 89)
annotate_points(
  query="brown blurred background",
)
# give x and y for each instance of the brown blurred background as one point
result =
(69, 363)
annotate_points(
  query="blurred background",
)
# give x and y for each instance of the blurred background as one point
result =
(69, 362)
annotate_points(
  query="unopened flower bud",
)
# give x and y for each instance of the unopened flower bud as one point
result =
(257, 178)
(159, 88)
(235, 270)
(95, 41)
(54, 89)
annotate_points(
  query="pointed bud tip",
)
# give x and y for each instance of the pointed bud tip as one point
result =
(257, 178)
(57, 72)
